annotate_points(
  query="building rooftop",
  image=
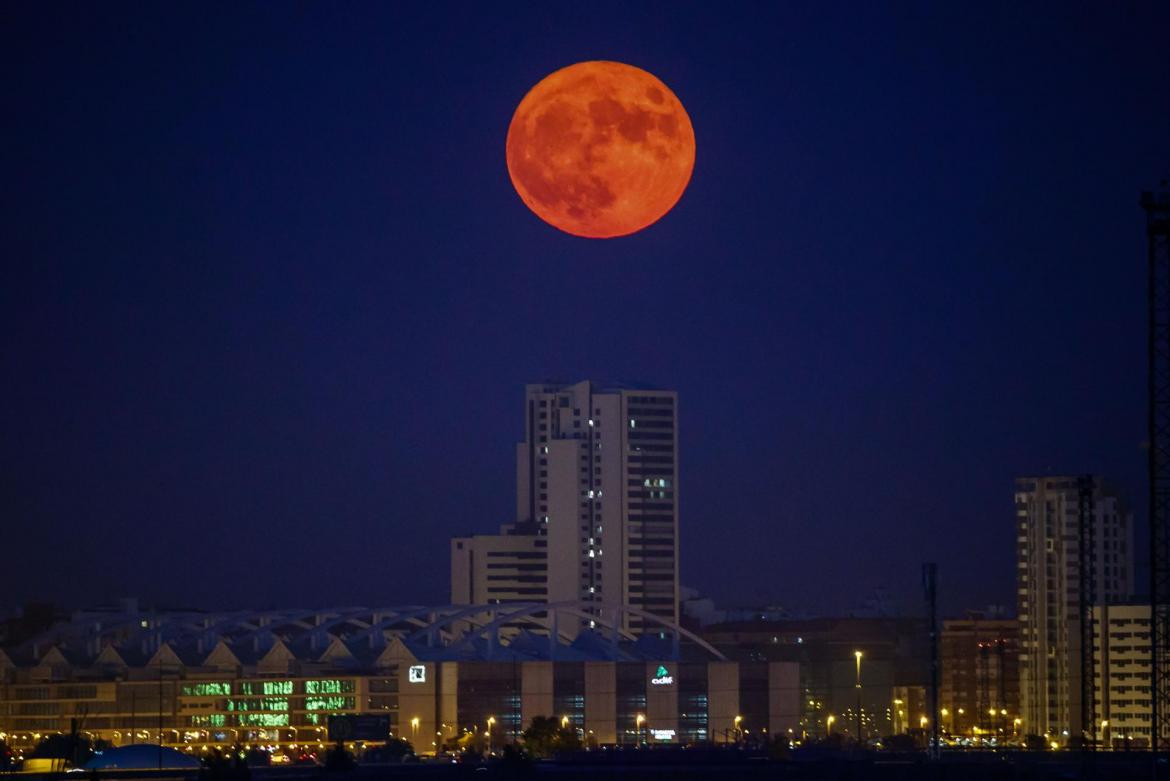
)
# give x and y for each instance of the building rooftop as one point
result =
(353, 638)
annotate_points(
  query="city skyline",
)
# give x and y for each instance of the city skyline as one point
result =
(280, 298)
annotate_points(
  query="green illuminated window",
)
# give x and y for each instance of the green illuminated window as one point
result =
(258, 703)
(329, 703)
(329, 686)
(206, 689)
(262, 719)
(212, 720)
(267, 688)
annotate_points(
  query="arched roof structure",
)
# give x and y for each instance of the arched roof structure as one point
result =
(490, 632)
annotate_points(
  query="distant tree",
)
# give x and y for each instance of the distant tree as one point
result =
(546, 737)
(515, 762)
(901, 742)
(6, 756)
(75, 748)
(339, 759)
(1035, 743)
(779, 747)
(397, 750)
(225, 766)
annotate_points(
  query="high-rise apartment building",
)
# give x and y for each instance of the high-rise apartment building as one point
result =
(1048, 511)
(597, 485)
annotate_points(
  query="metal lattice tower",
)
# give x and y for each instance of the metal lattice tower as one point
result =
(1087, 575)
(1157, 208)
(930, 587)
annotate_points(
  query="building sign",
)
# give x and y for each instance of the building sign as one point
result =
(662, 734)
(417, 673)
(662, 677)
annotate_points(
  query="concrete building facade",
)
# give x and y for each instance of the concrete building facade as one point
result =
(597, 482)
(979, 681)
(1121, 656)
(1049, 573)
(272, 679)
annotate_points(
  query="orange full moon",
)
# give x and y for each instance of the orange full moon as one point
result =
(600, 149)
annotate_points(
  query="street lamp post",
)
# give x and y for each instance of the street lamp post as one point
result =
(857, 655)
(829, 725)
(638, 720)
(491, 720)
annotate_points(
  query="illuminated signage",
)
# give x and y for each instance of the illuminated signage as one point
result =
(662, 677)
(417, 673)
(662, 734)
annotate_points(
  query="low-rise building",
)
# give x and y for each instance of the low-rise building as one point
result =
(979, 681)
(196, 681)
(1121, 662)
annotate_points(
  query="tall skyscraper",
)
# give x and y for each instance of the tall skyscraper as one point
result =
(1049, 570)
(597, 478)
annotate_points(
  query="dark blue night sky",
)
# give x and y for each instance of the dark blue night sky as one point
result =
(269, 299)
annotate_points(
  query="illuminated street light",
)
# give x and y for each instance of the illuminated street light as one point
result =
(829, 725)
(491, 720)
(638, 720)
(857, 655)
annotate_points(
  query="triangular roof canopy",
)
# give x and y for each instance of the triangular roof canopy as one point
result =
(222, 657)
